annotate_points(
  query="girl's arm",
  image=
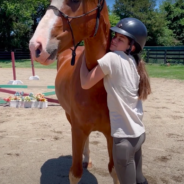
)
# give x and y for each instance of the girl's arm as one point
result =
(90, 78)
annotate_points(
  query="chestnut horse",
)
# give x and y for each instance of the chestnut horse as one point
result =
(65, 23)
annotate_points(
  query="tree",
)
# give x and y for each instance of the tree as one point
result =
(38, 10)
(14, 23)
(113, 18)
(174, 13)
(144, 10)
(17, 21)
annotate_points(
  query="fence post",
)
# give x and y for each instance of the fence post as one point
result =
(147, 56)
(165, 56)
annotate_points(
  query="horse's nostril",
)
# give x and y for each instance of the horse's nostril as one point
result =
(37, 52)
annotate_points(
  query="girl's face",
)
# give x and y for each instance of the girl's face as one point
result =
(119, 43)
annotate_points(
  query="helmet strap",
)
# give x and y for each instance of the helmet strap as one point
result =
(128, 51)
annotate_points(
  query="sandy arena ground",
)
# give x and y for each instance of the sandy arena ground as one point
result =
(35, 144)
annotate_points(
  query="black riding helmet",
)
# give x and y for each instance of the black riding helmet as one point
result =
(133, 29)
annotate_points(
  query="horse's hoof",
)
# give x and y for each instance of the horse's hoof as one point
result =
(87, 165)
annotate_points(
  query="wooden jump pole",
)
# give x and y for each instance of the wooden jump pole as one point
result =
(26, 94)
(14, 81)
(25, 86)
(33, 77)
(32, 65)
(13, 65)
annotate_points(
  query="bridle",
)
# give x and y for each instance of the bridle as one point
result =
(61, 14)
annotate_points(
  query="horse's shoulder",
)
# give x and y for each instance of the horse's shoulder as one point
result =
(66, 56)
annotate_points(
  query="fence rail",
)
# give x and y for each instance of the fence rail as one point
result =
(164, 54)
(19, 54)
(151, 54)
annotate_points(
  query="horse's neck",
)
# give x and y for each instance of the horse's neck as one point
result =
(97, 46)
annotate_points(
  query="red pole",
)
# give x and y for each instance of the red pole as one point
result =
(26, 94)
(13, 65)
(32, 65)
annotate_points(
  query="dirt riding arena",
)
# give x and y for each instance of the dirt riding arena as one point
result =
(35, 144)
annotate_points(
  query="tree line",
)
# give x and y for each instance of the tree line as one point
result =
(165, 24)
(18, 21)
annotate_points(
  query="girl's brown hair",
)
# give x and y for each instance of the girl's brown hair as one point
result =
(144, 85)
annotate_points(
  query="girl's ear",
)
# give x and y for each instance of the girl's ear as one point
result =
(133, 48)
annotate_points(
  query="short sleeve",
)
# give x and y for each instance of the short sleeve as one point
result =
(105, 63)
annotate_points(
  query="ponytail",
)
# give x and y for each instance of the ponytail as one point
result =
(144, 85)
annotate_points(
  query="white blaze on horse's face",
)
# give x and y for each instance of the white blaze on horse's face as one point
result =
(42, 35)
(56, 32)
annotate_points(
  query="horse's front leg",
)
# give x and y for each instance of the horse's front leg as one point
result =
(78, 142)
(111, 162)
(87, 163)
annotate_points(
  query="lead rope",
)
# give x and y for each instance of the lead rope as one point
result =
(74, 54)
(75, 46)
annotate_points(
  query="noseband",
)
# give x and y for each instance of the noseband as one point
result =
(61, 14)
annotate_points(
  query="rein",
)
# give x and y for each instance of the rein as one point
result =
(61, 14)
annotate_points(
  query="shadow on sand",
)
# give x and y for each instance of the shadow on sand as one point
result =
(56, 171)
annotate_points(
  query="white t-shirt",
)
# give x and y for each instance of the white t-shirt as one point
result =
(121, 82)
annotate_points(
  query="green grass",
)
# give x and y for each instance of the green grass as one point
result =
(163, 71)
(154, 70)
(25, 64)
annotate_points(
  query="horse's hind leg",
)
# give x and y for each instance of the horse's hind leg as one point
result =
(87, 163)
(111, 162)
(78, 142)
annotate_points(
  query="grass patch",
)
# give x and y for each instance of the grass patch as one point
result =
(154, 70)
(163, 71)
(25, 64)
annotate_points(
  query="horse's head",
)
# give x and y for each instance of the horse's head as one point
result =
(65, 23)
